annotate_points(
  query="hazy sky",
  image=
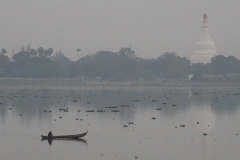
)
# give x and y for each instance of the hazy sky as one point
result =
(152, 27)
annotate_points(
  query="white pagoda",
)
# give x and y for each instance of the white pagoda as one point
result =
(205, 48)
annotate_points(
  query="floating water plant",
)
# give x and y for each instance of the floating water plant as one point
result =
(124, 105)
(111, 107)
(100, 111)
(90, 111)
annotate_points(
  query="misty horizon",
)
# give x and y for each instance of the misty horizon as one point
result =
(149, 27)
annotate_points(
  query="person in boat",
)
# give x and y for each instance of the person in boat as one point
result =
(50, 134)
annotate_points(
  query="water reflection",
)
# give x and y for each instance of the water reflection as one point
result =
(27, 104)
(104, 111)
(50, 141)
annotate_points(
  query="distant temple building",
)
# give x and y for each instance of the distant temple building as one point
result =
(205, 48)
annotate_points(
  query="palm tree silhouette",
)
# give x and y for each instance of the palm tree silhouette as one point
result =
(78, 50)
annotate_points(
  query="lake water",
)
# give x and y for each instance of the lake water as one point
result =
(144, 123)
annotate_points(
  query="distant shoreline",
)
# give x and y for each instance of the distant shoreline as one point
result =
(80, 82)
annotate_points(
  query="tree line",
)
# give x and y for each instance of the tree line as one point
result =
(108, 65)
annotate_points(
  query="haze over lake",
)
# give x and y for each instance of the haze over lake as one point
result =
(149, 27)
(123, 122)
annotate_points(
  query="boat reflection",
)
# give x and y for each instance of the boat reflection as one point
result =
(83, 141)
(49, 141)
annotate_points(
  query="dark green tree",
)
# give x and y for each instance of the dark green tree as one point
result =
(48, 52)
(222, 65)
(128, 52)
(171, 66)
(4, 51)
(40, 51)
(61, 60)
(5, 64)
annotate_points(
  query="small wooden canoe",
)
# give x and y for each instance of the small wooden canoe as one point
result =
(75, 136)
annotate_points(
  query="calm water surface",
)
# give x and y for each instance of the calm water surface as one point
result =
(166, 123)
